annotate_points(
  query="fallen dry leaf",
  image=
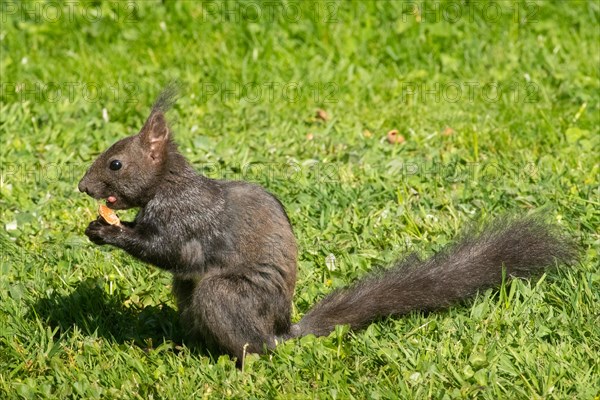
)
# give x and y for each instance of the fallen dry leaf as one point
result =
(322, 115)
(448, 131)
(395, 137)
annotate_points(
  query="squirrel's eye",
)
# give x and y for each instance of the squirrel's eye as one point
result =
(115, 165)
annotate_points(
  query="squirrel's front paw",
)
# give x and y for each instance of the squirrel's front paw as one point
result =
(100, 232)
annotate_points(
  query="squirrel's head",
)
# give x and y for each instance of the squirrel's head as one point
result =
(127, 174)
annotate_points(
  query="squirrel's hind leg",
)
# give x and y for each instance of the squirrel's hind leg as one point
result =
(230, 312)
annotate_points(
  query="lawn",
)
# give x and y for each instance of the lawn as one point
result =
(497, 103)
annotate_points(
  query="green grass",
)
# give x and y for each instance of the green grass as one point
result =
(81, 321)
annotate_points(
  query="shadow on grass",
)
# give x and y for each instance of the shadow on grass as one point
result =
(93, 311)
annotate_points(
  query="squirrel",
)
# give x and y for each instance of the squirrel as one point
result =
(230, 248)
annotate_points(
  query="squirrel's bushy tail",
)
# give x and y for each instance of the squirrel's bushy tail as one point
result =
(523, 247)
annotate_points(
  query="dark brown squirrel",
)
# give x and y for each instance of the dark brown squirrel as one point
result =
(232, 252)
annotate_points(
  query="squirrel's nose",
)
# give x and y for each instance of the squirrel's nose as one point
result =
(83, 187)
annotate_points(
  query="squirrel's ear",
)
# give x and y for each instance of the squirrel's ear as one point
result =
(155, 135)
